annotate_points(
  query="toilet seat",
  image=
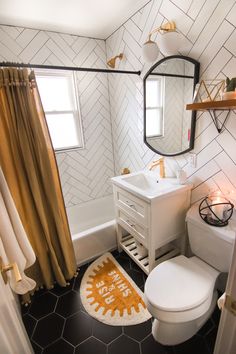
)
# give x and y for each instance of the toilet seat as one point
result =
(180, 289)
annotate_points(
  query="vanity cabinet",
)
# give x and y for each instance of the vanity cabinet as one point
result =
(153, 223)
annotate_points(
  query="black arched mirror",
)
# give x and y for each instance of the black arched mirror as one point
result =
(168, 86)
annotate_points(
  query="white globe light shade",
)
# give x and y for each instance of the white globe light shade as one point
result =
(150, 51)
(170, 43)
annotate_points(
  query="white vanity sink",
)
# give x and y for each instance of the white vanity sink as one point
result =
(146, 185)
(150, 214)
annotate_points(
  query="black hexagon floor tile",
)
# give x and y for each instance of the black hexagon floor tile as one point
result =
(104, 332)
(68, 304)
(216, 316)
(139, 331)
(136, 276)
(78, 279)
(115, 253)
(63, 324)
(142, 288)
(40, 292)
(48, 329)
(61, 290)
(134, 266)
(78, 328)
(124, 344)
(91, 346)
(125, 255)
(210, 339)
(124, 262)
(149, 345)
(82, 269)
(207, 327)
(77, 282)
(29, 323)
(37, 349)
(43, 305)
(24, 309)
(194, 345)
(59, 347)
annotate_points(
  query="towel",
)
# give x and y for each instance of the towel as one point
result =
(14, 243)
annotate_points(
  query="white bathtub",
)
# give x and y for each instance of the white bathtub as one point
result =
(92, 226)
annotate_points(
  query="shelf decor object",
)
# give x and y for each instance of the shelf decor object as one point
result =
(212, 107)
(230, 89)
(216, 209)
(209, 90)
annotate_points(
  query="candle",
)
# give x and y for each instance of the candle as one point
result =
(217, 209)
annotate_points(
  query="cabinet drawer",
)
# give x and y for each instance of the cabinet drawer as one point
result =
(138, 231)
(137, 208)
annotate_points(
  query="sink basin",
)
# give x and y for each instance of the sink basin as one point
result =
(146, 182)
(146, 185)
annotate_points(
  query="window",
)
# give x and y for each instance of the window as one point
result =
(154, 107)
(60, 102)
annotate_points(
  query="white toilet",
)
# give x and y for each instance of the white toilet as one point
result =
(180, 293)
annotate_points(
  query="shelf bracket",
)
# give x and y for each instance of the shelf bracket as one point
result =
(215, 118)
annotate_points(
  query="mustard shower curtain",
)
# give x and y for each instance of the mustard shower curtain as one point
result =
(28, 163)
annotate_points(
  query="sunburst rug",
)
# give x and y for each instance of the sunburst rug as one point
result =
(110, 295)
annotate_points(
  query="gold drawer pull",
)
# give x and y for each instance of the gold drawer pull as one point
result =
(11, 266)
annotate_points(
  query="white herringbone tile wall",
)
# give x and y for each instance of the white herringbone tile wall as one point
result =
(84, 173)
(209, 28)
(210, 31)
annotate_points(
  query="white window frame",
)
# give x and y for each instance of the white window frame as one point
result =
(160, 108)
(75, 96)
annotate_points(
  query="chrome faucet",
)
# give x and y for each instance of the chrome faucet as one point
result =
(160, 163)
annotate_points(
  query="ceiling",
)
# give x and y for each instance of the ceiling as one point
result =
(90, 18)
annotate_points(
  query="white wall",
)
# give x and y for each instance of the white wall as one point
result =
(84, 173)
(209, 28)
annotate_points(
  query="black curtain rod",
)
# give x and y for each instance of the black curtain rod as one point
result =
(73, 68)
(172, 75)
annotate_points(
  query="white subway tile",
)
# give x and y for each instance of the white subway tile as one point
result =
(171, 12)
(228, 143)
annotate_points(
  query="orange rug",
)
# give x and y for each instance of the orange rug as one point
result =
(110, 295)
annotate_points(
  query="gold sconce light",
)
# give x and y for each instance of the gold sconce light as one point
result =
(112, 61)
(169, 42)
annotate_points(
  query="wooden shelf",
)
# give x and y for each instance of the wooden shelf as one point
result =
(212, 105)
(128, 244)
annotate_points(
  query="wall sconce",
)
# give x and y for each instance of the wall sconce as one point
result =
(216, 209)
(169, 42)
(112, 61)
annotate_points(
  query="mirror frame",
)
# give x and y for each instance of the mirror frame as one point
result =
(193, 118)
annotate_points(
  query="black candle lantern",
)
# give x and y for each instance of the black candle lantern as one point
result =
(216, 209)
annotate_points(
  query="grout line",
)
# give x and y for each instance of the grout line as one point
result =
(40, 29)
(212, 176)
(185, 13)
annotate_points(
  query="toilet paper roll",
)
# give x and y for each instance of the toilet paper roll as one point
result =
(221, 301)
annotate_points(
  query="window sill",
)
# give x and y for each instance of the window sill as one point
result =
(59, 151)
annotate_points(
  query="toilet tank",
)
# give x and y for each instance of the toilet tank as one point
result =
(212, 244)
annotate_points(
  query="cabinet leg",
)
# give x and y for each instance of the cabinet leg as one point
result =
(118, 237)
(151, 259)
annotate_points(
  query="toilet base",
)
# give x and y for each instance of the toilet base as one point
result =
(175, 333)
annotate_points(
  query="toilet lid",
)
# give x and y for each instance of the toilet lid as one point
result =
(178, 284)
